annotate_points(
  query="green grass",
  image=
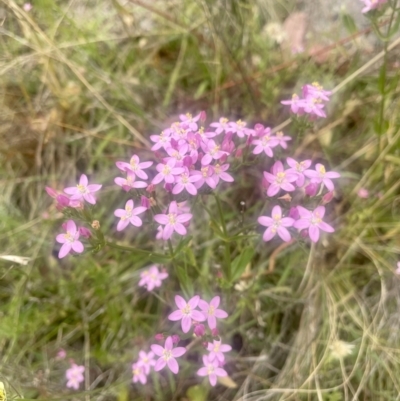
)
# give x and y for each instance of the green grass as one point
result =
(85, 84)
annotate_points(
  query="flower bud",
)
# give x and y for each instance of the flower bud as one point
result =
(239, 153)
(85, 232)
(327, 198)
(203, 116)
(150, 188)
(51, 192)
(304, 233)
(363, 193)
(175, 339)
(294, 213)
(95, 224)
(145, 202)
(199, 330)
(159, 337)
(286, 198)
(311, 189)
(63, 200)
(214, 332)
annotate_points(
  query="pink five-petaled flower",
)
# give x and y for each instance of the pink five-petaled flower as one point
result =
(184, 181)
(167, 355)
(316, 91)
(212, 370)
(298, 168)
(296, 104)
(129, 182)
(265, 143)
(217, 349)
(221, 126)
(151, 278)
(276, 224)
(211, 312)
(139, 373)
(279, 179)
(69, 240)
(172, 221)
(135, 166)
(186, 312)
(211, 151)
(313, 222)
(219, 172)
(83, 190)
(282, 139)
(129, 215)
(167, 172)
(146, 360)
(74, 376)
(371, 5)
(321, 175)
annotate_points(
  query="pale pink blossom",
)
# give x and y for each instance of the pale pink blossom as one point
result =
(139, 373)
(129, 182)
(265, 143)
(83, 190)
(74, 376)
(313, 222)
(372, 5)
(282, 139)
(211, 311)
(185, 181)
(276, 225)
(151, 278)
(69, 240)
(320, 175)
(146, 360)
(129, 215)
(187, 312)
(211, 151)
(222, 125)
(296, 104)
(363, 193)
(161, 141)
(299, 169)
(172, 221)
(212, 370)
(135, 166)
(190, 121)
(206, 175)
(280, 179)
(167, 355)
(217, 350)
(167, 172)
(239, 128)
(316, 91)
(61, 354)
(219, 172)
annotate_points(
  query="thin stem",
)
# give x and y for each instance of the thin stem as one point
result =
(227, 252)
(171, 249)
(135, 250)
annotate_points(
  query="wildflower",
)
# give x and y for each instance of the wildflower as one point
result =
(298, 168)
(313, 222)
(139, 374)
(129, 215)
(172, 221)
(340, 349)
(190, 121)
(167, 172)
(320, 175)
(239, 128)
(327, 197)
(186, 312)
(219, 172)
(167, 355)
(311, 189)
(212, 370)
(217, 349)
(265, 143)
(206, 176)
(146, 360)
(211, 312)
(276, 224)
(372, 5)
(363, 193)
(129, 182)
(161, 141)
(61, 354)
(69, 240)
(211, 151)
(151, 278)
(221, 126)
(199, 330)
(316, 91)
(279, 179)
(74, 376)
(294, 213)
(84, 232)
(62, 200)
(184, 181)
(83, 190)
(282, 139)
(296, 104)
(135, 166)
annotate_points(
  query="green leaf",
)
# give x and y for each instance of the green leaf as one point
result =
(184, 280)
(349, 23)
(197, 393)
(240, 262)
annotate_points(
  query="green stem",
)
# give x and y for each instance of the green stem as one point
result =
(171, 249)
(227, 253)
(150, 254)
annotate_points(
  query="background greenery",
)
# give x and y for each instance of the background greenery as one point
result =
(84, 83)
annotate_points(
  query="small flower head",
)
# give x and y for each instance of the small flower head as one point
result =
(139, 373)
(167, 355)
(212, 370)
(313, 222)
(129, 215)
(69, 240)
(83, 191)
(74, 376)
(211, 311)
(276, 225)
(152, 277)
(186, 312)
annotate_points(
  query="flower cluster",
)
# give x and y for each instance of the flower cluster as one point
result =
(152, 277)
(311, 103)
(142, 367)
(74, 375)
(372, 5)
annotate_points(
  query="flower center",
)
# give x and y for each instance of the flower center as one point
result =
(210, 369)
(167, 354)
(223, 121)
(322, 170)
(211, 310)
(186, 310)
(68, 237)
(172, 219)
(280, 177)
(166, 170)
(204, 171)
(185, 178)
(216, 347)
(316, 219)
(279, 134)
(82, 189)
(214, 150)
(240, 123)
(265, 140)
(217, 169)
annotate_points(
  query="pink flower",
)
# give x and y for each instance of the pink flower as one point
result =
(167, 172)
(146, 360)
(62, 200)
(282, 139)
(220, 173)
(313, 222)
(84, 232)
(212, 370)
(221, 126)
(363, 193)
(239, 128)
(321, 175)
(129, 215)
(315, 91)
(61, 354)
(186, 312)
(190, 121)
(83, 190)
(74, 376)
(217, 349)
(172, 221)
(296, 104)
(206, 176)
(265, 143)
(298, 168)
(371, 5)
(311, 189)
(135, 166)
(139, 374)
(276, 224)
(151, 278)
(279, 179)
(184, 181)
(211, 151)
(167, 355)
(27, 7)
(211, 312)
(70, 240)
(199, 330)
(161, 141)
(314, 106)
(129, 182)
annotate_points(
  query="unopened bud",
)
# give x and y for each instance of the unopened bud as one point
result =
(145, 202)
(214, 332)
(286, 198)
(95, 224)
(150, 188)
(311, 189)
(175, 339)
(327, 198)
(203, 116)
(239, 152)
(304, 233)
(85, 232)
(159, 337)
(294, 213)
(199, 330)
